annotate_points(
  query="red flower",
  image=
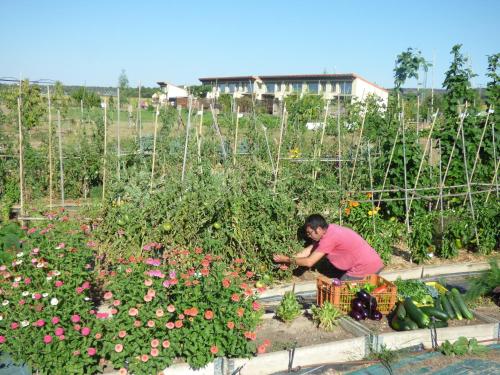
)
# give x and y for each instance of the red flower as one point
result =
(240, 311)
(205, 271)
(230, 325)
(261, 349)
(209, 314)
(226, 283)
(249, 274)
(214, 349)
(235, 297)
(178, 324)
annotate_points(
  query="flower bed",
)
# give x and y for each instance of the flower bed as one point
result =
(172, 304)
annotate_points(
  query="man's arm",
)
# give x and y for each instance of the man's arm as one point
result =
(305, 252)
(307, 261)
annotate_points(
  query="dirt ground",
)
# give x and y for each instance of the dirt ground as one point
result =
(490, 310)
(301, 331)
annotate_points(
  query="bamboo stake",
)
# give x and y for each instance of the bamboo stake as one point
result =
(199, 134)
(139, 118)
(50, 149)
(358, 146)
(453, 148)
(21, 163)
(476, 159)
(105, 148)
(407, 217)
(441, 193)
(339, 143)
(388, 166)
(315, 174)
(371, 188)
(154, 149)
(217, 129)
(188, 127)
(427, 143)
(118, 149)
(235, 149)
(61, 168)
(468, 182)
(494, 151)
(492, 181)
(276, 171)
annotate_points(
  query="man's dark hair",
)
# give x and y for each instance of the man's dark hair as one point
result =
(314, 221)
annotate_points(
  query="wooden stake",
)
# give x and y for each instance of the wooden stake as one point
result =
(276, 171)
(427, 143)
(441, 193)
(139, 118)
(61, 168)
(374, 212)
(217, 129)
(118, 148)
(235, 148)
(407, 217)
(199, 139)
(154, 149)
(339, 153)
(315, 174)
(476, 159)
(388, 166)
(358, 146)
(493, 181)
(188, 127)
(105, 148)
(21, 162)
(494, 153)
(50, 150)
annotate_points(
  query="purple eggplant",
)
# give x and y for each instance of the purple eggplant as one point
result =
(376, 315)
(372, 305)
(365, 314)
(356, 315)
(363, 296)
(357, 304)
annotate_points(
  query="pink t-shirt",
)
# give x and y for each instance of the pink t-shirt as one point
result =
(348, 251)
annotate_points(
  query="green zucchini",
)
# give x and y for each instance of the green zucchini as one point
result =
(447, 307)
(461, 305)
(416, 314)
(437, 303)
(439, 324)
(456, 309)
(410, 323)
(400, 325)
(400, 311)
(435, 312)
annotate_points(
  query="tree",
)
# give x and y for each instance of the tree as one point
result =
(59, 98)
(493, 86)
(90, 98)
(123, 85)
(408, 64)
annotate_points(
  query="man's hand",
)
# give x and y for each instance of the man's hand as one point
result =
(279, 258)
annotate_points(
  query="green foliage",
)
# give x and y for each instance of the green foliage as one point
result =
(407, 66)
(200, 91)
(289, 308)
(32, 104)
(462, 346)
(326, 317)
(421, 238)
(484, 284)
(386, 357)
(90, 98)
(305, 109)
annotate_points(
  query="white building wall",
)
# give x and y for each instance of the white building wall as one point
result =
(173, 91)
(361, 89)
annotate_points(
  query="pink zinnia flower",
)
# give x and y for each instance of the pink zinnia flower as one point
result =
(37, 296)
(214, 349)
(230, 325)
(14, 325)
(122, 334)
(209, 314)
(40, 323)
(144, 358)
(108, 295)
(261, 349)
(55, 320)
(85, 331)
(178, 324)
(59, 331)
(148, 298)
(58, 283)
(47, 339)
(170, 325)
(165, 344)
(159, 313)
(98, 336)
(133, 311)
(102, 315)
(148, 282)
(2, 339)
(150, 323)
(255, 305)
(77, 327)
(137, 324)
(155, 343)
(27, 280)
(118, 348)
(117, 302)
(154, 352)
(86, 285)
(171, 308)
(235, 297)
(91, 351)
(75, 318)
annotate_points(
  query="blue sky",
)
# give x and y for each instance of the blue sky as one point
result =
(90, 42)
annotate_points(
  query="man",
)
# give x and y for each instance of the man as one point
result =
(344, 248)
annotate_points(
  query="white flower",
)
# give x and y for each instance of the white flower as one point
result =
(87, 299)
(19, 255)
(54, 301)
(25, 293)
(45, 295)
(1, 317)
(5, 302)
(25, 323)
(56, 273)
(40, 265)
(49, 278)
(18, 278)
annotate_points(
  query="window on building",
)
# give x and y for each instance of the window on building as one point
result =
(270, 87)
(312, 87)
(232, 87)
(346, 87)
(222, 87)
(297, 87)
(323, 87)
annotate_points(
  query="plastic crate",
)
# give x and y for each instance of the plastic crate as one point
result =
(341, 296)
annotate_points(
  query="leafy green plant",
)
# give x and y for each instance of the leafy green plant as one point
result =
(326, 317)
(386, 357)
(421, 239)
(462, 346)
(484, 284)
(289, 308)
